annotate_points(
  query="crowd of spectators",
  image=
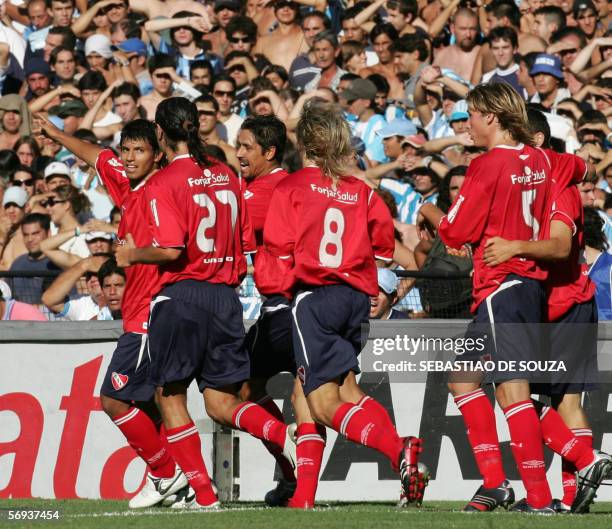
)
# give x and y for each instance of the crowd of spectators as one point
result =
(400, 70)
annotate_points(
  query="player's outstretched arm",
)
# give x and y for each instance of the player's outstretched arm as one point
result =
(128, 254)
(556, 248)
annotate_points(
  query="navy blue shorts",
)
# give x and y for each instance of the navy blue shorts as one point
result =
(573, 341)
(327, 333)
(196, 332)
(509, 321)
(127, 378)
(269, 340)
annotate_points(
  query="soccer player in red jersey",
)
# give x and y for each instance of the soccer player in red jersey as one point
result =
(261, 145)
(573, 335)
(126, 393)
(508, 192)
(200, 234)
(323, 234)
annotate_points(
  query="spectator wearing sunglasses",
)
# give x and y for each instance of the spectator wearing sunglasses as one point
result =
(24, 177)
(11, 239)
(208, 109)
(224, 91)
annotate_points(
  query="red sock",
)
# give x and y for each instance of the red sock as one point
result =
(378, 410)
(568, 470)
(287, 470)
(252, 418)
(363, 427)
(186, 448)
(142, 436)
(310, 446)
(560, 439)
(526, 443)
(479, 418)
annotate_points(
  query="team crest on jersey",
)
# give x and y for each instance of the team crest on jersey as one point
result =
(301, 373)
(119, 381)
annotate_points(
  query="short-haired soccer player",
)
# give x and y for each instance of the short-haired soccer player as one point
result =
(126, 393)
(508, 192)
(323, 234)
(200, 234)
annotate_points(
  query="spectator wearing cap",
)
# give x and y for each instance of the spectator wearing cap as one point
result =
(99, 54)
(16, 310)
(548, 80)
(586, 18)
(394, 135)
(326, 50)
(359, 97)
(38, 78)
(503, 43)
(303, 69)
(35, 228)
(286, 42)
(71, 112)
(56, 174)
(381, 306)
(11, 239)
(15, 120)
(186, 32)
(131, 54)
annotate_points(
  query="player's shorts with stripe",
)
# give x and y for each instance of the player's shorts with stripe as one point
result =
(508, 321)
(127, 374)
(269, 340)
(196, 332)
(327, 333)
(573, 341)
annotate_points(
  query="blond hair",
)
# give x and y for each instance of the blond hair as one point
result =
(324, 138)
(508, 107)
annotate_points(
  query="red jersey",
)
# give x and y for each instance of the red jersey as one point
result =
(257, 199)
(316, 235)
(140, 278)
(568, 282)
(202, 211)
(508, 192)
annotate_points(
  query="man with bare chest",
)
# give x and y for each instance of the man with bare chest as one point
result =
(287, 41)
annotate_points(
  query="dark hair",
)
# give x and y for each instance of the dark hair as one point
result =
(567, 31)
(260, 84)
(68, 36)
(505, 8)
(242, 24)
(444, 200)
(278, 70)
(126, 89)
(539, 123)
(179, 121)
(216, 152)
(29, 140)
(201, 63)
(349, 76)
(140, 129)
(529, 59)
(411, 43)
(24, 169)
(382, 85)
(405, 7)
(160, 60)
(86, 135)
(49, 3)
(9, 161)
(130, 28)
(115, 211)
(38, 218)
(108, 269)
(425, 171)
(56, 51)
(93, 80)
(318, 14)
(353, 11)
(78, 200)
(384, 29)
(269, 131)
(504, 33)
(236, 54)
(197, 35)
(224, 77)
(552, 14)
(591, 116)
(593, 230)
(207, 98)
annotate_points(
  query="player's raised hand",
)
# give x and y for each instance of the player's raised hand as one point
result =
(498, 251)
(122, 254)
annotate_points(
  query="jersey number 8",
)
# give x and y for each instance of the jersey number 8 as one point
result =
(332, 237)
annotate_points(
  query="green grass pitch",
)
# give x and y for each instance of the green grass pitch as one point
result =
(86, 514)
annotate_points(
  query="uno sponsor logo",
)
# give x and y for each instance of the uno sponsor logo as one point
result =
(336, 194)
(209, 179)
(119, 381)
